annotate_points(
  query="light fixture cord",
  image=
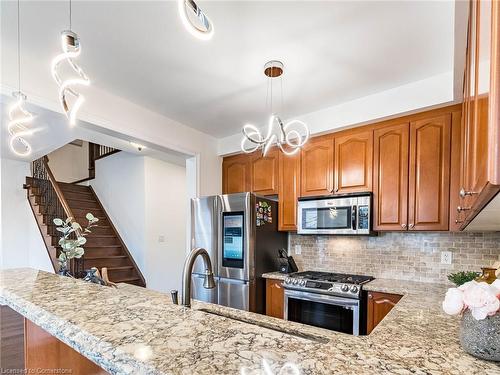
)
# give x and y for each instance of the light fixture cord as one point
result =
(18, 45)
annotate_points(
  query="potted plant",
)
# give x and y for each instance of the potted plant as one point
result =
(72, 244)
(479, 305)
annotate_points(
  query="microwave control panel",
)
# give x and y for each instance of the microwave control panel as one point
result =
(363, 217)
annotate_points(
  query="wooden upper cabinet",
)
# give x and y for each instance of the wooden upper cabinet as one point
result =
(317, 167)
(429, 177)
(353, 162)
(236, 174)
(288, 191)
(264, 173)
(390, 177)
(379, 305)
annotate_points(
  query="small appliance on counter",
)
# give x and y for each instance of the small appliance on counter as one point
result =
(346, 214)
(328, 300)
(240, 233)
(286, 262)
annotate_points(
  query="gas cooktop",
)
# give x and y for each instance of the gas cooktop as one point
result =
(338, 284)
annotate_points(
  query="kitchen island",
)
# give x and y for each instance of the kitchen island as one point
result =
(132, 330)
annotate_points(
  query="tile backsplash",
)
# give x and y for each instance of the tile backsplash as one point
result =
(408, 256)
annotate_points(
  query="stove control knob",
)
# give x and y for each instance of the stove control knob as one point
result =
(344, 288)
(354, 289)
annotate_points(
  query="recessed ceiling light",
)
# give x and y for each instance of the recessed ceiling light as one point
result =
(195, 21)
(138, 146)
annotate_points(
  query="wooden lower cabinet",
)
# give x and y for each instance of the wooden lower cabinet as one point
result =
(275, 298)
(45, 352)
(379, 305)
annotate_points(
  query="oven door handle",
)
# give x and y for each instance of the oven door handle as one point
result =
(330, 300)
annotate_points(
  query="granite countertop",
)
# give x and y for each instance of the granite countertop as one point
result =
(132, 330)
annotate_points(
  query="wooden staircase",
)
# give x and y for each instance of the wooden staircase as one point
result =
(104, 247)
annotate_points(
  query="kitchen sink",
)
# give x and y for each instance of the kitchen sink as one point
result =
(291, 332)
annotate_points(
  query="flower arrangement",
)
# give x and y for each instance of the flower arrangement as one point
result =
(72, 248)
(482, 299)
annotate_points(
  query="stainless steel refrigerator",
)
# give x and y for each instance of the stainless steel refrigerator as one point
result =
(240, 233)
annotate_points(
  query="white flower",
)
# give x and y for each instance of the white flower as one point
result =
(453, 301)
(481, 299)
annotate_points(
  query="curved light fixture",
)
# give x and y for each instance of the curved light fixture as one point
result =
(19, 117)
(71, 47)
(205, 29)
(289, 137)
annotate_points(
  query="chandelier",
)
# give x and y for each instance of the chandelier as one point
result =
(18, 116)
(195, 20)
(69, 97)
(288, 136)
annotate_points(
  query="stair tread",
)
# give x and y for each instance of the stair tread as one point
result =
(105, 257)
(124, 279)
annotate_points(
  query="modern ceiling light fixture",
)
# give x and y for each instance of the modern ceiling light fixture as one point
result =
(289, 136)
(195, 21)
(70, 99)
(18, 116)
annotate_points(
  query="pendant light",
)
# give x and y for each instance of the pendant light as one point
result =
(18, 116)
(194, 20)
(289, 136)
(70, 99)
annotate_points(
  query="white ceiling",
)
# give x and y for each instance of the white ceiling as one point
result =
(333, 52)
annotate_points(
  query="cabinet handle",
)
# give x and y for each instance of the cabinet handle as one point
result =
(460, 209)
(411, 225)
(403, 226)
(463, 193)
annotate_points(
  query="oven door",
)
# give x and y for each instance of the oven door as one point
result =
(328, 216)
(324, 311)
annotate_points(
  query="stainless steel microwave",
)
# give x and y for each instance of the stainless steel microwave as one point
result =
(345, 214)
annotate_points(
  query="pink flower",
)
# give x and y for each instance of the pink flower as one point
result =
(453, 301)
(481, 299)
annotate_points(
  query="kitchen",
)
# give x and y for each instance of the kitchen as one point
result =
(366, 243)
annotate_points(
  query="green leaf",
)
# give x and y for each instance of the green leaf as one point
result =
(58, 221)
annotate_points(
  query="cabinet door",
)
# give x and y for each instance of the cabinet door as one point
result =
(288, 191)
(236, 174)
(275, 298)
(317, 167)
(264, 172)
(379, 305)
(390, 179)
(353, 162)
(429, 181)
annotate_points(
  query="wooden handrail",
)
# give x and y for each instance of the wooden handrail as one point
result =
(59, 193)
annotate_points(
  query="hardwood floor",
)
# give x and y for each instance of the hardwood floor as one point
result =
(11, 339)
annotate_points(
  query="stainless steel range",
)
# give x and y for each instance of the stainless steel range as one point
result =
(323, 299)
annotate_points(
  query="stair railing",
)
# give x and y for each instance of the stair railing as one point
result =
(53, 202)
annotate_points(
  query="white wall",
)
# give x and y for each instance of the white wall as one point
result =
(70, 163)
(386, 104)
(147, 198)
(120, 186)
(166, 216)
(21, 243)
